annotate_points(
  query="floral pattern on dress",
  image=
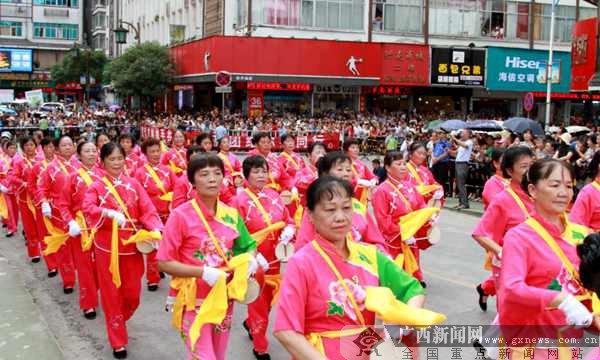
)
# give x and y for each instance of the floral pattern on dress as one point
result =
(567, 283)
(209, 254)
(339, 302)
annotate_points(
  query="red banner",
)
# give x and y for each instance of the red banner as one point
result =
(404, 64)
(256, 102)
(583, 53)
(242, 141)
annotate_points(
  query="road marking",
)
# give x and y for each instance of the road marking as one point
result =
(458, 282)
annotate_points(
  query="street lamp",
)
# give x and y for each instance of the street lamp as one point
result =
(121, 32)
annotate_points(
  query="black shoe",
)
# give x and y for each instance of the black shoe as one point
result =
(120, 354)
(4, 225)
(10, 234)
(52, 273)
(153, 287)
(162, 275)
(89, 314)
(423, 284)
(35, 259)
(482, 295)
(247, 330)
(68, 290)
(258, 356)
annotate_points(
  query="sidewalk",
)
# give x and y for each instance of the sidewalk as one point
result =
(475, 207)
(24, 333)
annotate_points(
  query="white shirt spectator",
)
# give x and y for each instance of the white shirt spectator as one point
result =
(464, 153)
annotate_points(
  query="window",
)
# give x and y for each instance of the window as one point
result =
(99, 20)
(332, 14)
(398, 16)
(69, 3)
(564, 21)
(11, 28)
(99, 42)
(56, 31)
(517, 20)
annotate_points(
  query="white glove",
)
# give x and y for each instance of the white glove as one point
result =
(438, 194)
(252, 267)
(3, 188)
(74, 228)
(294, 191)
(411, 241)
(287, 234)
(434, 219)
(211, 275)
(262, 262)
(577, 314)
(46, 210)
(497, 260)
(169, 303)
(373, 182)
(113, 214)
(365, 183)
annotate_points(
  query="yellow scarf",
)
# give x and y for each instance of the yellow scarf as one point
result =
(166, 196)
(228, 164)
(421, 187)
(290, 158)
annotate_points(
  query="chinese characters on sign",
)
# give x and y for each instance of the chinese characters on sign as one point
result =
(405, 64)
(457, 67)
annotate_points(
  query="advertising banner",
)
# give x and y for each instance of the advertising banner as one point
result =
(583, 53)
(15, 60)
(405, 64)
(458, 66)
(511, 69)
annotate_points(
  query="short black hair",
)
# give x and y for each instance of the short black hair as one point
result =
(542, 169)
(376, 161)
(349, 142)
(594, 166)
(415, 146)
(108, 149)
(253, 162)
(287, 136)
(312, 146)
(589, 265)
(221, 140)
(511, 156)
(329, 160)
(201, 138)
(194, 149)
(125, 137)
(149, 143)
(81, 144)
(101, 134)
(256, 138)
(46, 141)
(24, 140)
(202, 161)
(392, 156)
(326, 186)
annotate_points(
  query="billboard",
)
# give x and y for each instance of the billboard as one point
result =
(583, 53)
(524, 70)
(15, 60)
(457, 66)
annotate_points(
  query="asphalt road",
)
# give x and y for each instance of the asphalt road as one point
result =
(452, 269)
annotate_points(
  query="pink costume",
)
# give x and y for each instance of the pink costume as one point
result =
(586, 210)
(275, 170)
(182, 192)
(425, 178)
(360, 171)
(312, 299)
(532, 276)
(290, 165)
(21, 171)
(6, 164)
(155, 190)
(132, 162)
(186, 240)
(119, 303)
(175, 159)
(233, 169)
(306, 176)
(503, 214)
(33, 182)
(389, 206)
(253, 217)
(69, 205)
(493, 186)
(51, 184)
(364, 229)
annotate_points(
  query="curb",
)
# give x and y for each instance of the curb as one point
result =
(465, 211)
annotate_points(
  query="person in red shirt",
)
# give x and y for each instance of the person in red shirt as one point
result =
(132, 159)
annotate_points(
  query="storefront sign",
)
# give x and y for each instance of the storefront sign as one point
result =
(277, 86)
(511, 69)
(15, 60)
(336, 89)
(572, 96)
(183, 87)
(14, 76)
(27, 84)
(69, 86)
(386, 90)
(256, 103)
(241, 140)
(457, 66)
(404, 64)
(583, 53)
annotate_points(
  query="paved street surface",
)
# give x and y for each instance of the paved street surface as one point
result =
(452, 270)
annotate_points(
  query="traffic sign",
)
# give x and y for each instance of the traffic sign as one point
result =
(223, 89)
(528, 101)
(223, 78)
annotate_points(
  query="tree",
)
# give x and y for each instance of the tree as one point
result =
(143, 70)
(71, 68)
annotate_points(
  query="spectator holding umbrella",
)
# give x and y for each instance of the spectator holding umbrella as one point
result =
(463, 155)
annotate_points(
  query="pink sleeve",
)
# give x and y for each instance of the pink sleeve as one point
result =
(236, 164)
(64, 200)
(146, 210)
(179, 193)
(172, 238)
(381, 209)
(516, 254)
(373, 235)
(581, 212)
(290, 311)
(91, 211)
(492, 223)
(305, 233)
(164, 160)
(15, 176)
(43, 186)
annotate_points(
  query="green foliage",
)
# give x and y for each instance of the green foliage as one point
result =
(142, 70)
(72, 67)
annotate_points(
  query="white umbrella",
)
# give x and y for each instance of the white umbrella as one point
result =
(575, 129)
